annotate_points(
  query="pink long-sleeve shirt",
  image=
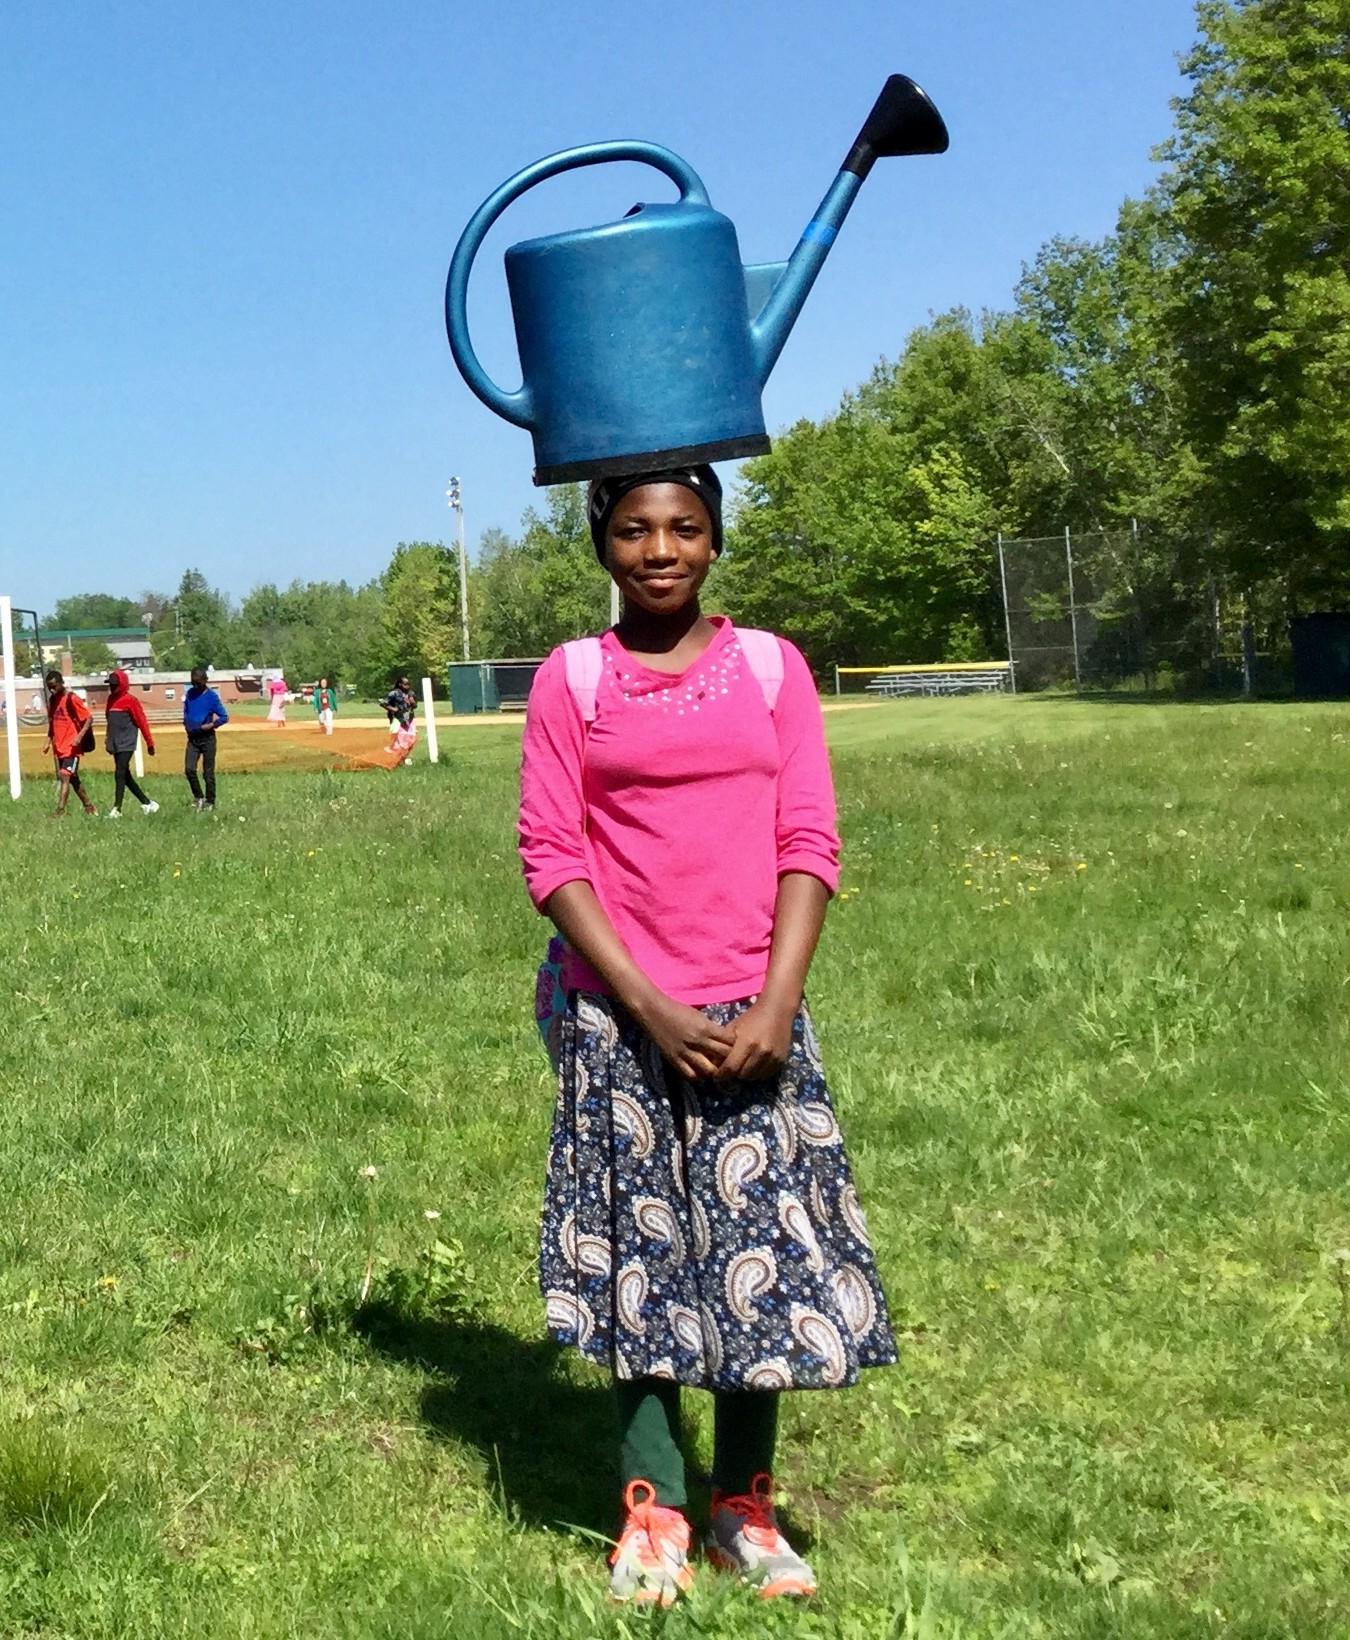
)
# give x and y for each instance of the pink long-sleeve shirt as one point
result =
(681, 804)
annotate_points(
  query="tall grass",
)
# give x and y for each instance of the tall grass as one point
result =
(272, 1137)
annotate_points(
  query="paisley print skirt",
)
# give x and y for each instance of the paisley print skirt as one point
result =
(705, 1232)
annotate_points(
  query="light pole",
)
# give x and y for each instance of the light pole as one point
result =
(456, 499)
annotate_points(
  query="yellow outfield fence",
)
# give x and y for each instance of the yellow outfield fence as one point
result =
(934, 666)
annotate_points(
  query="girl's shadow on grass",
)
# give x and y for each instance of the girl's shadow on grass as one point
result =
(548, 1443)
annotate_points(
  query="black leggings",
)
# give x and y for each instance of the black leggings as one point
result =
(125, 780)
(204, 747)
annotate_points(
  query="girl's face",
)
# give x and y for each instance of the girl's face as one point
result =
(659, 547)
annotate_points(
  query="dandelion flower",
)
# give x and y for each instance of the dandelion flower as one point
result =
(431, 1214)
(370, 1172)
(1013, 859)
(1081, 866)
(969, 883)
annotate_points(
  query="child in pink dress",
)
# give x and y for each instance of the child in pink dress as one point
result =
(278, 689)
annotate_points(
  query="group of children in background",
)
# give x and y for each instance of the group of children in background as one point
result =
(70, 734)
(70, 737)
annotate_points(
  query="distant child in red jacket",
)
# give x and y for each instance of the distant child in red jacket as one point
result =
(69, 735)
(126, 719)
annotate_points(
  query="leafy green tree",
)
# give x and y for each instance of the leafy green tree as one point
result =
(92, 655)
(573, 588)
(857, 550)
(986, 390)
(1100, 309)
(419, 621)
(91, 611)
(195, 628)
(546, 587)
(505, 598)
(151, 604)
(310, 628)
(340, 624)
(1258, 196)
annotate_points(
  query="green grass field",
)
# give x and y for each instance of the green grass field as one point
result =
(272, 1142)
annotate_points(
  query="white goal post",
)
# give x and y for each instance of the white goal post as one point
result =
(11, 696)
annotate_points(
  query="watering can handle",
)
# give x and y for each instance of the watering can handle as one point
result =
(516, 406)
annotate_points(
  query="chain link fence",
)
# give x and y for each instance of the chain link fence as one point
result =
(1100, 610)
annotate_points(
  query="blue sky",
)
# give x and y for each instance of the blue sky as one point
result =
(226, 227)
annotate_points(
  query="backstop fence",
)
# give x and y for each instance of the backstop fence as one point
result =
(1104, 609)
(1092, 610)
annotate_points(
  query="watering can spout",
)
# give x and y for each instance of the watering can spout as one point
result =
(903, 120)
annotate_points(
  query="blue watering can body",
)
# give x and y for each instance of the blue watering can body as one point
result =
(635, 344)
(645, 343)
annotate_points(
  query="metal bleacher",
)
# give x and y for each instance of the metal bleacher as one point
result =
(938, 678)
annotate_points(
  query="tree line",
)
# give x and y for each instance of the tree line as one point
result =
(1188, 374)
(403, 620)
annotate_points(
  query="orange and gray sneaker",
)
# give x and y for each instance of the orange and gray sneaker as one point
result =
(650, 1563)
(743, 1537)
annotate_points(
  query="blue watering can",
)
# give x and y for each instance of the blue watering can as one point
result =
(644, 343)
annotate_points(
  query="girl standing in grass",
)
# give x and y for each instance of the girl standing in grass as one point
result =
(325, 705)
(70, 733)
(700, 1226)
(126, 719)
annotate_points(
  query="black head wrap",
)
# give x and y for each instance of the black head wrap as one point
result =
(606, 493)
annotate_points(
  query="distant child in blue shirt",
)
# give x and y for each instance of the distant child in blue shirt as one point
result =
(203, 713)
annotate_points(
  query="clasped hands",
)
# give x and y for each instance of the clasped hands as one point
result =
(750, 1048)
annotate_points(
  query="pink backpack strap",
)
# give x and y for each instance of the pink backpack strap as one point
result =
(764, 656)
(584, 660)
